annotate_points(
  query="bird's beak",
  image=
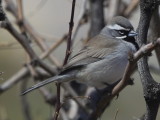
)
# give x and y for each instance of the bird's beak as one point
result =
(132, 33)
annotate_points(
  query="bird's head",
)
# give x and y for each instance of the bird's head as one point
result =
(120, 28)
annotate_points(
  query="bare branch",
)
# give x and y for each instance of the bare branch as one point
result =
(23, 73)
(151, 88)
(96, 17)
(69, 41)
(21, 39)
(155, 31)
(20, 14)
(27, 27)
(71, 91)
(68, 52)
(53, 47)
(42, 44)
(114, 6)
(82, 18)
(132, 6)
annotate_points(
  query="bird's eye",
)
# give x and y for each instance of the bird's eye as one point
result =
(122, 32)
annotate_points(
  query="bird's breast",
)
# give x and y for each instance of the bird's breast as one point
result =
(108, 70)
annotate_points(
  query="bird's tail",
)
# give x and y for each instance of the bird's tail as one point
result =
(59, 78)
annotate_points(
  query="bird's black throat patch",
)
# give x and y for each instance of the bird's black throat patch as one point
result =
(132, 40)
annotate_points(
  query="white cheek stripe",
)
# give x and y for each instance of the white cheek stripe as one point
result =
(121, 37)
(116, 27)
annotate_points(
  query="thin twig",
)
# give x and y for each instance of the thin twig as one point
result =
(43, 46)
(53, 47)
(81, 19)
(71, 91)
(20, 14)
(38, 8)
(132, 6)
(23, 73)
(21, 39)
(114, 6)
(20, 10)
(49, 98)
(115, 117)
(12, 8)
(68, 52)
(69, 42)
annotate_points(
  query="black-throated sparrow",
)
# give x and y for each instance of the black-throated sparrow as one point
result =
(102, 60)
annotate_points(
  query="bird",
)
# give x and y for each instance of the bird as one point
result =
(102, 60)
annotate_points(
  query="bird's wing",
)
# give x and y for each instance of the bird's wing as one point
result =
(93, 51)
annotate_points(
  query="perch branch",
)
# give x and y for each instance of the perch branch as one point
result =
(151, 88)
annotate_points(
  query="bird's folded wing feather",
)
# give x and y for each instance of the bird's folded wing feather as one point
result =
(96, 49)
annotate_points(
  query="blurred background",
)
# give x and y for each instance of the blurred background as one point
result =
(50, 18)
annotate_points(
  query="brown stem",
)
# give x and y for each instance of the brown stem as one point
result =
(69, 41)
(20, 14)
(68, 52)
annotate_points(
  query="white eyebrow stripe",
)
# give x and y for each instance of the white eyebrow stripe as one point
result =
(117, 27)
(121, 37)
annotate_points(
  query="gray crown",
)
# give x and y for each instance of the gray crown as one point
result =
(122, 21)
